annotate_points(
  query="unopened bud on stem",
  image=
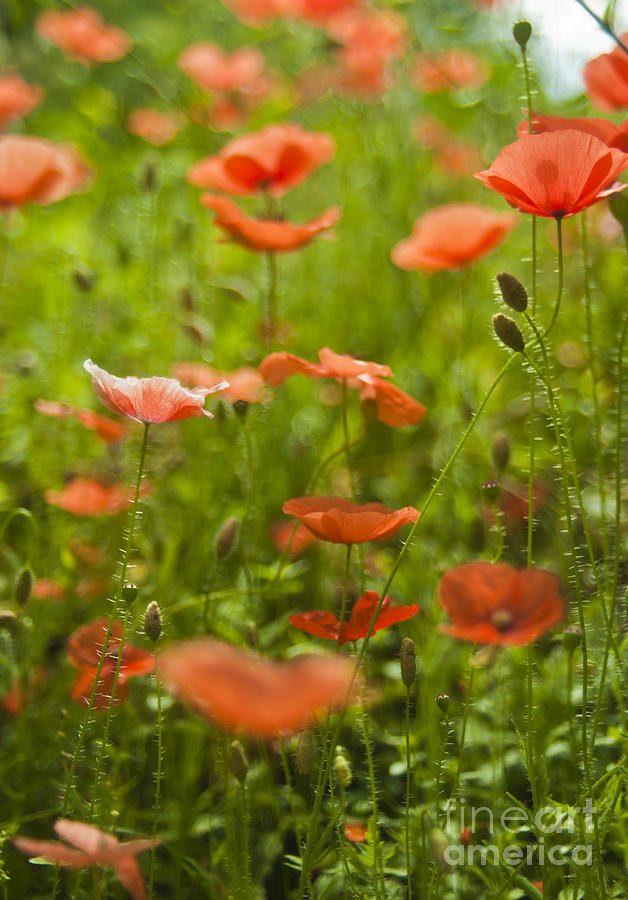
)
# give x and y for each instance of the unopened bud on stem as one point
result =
(152, 621)
(508, 332)
(408, 662)
(513, 292)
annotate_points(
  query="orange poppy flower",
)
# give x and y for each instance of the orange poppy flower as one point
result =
(37, 171)
(556, 174)
(452, 237)
(106, 429)
(355, 832)
(606, 79)
(87, 497)
(240, 691)
(82, 35)
(47, 589)
(369, 42)
(318, 11)
(85, 648)
(214, 70)
(149, 400)
(303, 538)
(273, 159)
(492, 603)
(610, 134)
(16, 698)
(255, 12)
(262, 235)
(157, 128)
(393, 406)
(340, 521)
(276, 367)
(448, 70)
(326, 625)
(17, 98)
(244, 384)
(94, 848)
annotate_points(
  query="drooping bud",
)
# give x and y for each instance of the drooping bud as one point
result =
(408, 662)
(522, 32)
(226, 536)
(305, 752)
(513, 292)
(152, 621)
(491, 490)
(238, 761)
(508, 332)
(442, 701)
(343, 770)
(572, 638)
(500, 451)
(241, 408)
(23, 586)
(129, 592)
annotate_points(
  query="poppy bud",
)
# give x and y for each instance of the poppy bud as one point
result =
(442, 701)
(152, 621)
(508, 332)
(438, 846)
(491, 490)
(572, 638)
(522, 32)
(129, 592)
(8, 619)
(513, 292)
(226, 536)
(83, 279)
(408, 662)
(239, 763)
(241, 407)
(343, 770)
(500, 451)
(23, 586)
(305, 752)
(149, 175)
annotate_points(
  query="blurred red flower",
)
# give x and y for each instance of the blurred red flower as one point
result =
(276, 367)
(212, 69)
(244, 384)
(370, 41)
(149, 400)
(274, 159)
(612, 135)
(556, 174)
(37, 171)
(256, 12)
(453, 156)
(448, 70)
(47, 589)
(340, 521)
(452, 237)
(327, 625)
(16, 698)
(492, 603)
(606, 79)
(82, 35)
(355, 832)
(108, 430)
(392, 405)
(303, 538)
(262, 235)
(240, 691)
(154, 127)
(95, 848)
(17, 98)
(88, 497)
(85, 648)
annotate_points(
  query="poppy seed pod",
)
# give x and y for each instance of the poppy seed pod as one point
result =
(23, 586)
(513, 292)
(522, 32)
(508, 332)
(238, 761)
(572, 638)
(152, 621)
(408, 662)
(226, 536)
(130, 592)
(491, 490)
(442, 701)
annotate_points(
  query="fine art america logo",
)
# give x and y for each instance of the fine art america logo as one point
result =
(551, 828)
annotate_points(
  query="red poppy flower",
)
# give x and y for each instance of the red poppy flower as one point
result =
(94, 848)
(303, 538)
(318, 11)
(492, 603)
(149, 400)
(87, 497)
(451, 237)
(255, 12)
(606, 79)
(37, 171)
(612, 135)
(157, 128)
(16, 699)
(106, 429)
(355, 832)
(327, 625)
(240, 691)
(448, 70)
(453, 156)
(244, 384)
(85, 648)
(262, 235)
(556, 174)
(214, 70)
(392, 405)
(273, 159)
(369, 42)
(82, 35)
(47, 589)
(17, 98)
(340, 521)
(276, 367)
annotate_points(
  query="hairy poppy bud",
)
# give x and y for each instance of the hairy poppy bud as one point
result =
(408, 662)
(83, 279)
(508, 332)
(522, 32)
(438, 846)
(513, 292)
(491, 490)
(500, 451)
(442, 701)
(226, 536)
(343, 770)
(305, 752)
(129, 592)
(238, 761)
(572, 638)
(23, 586)
(152, 620)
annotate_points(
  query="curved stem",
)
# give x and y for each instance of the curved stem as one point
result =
(604, 25)
(561, 269)
(157, 777)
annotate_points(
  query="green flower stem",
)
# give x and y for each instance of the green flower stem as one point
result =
(345, 591)
(352, 484)
(377, 861)
(408, 796)
(463, 734)
(500, 533)
(442, 746)
(604, 25)
(561, 273)
(271, 298)
(158, 776)
(245, 520)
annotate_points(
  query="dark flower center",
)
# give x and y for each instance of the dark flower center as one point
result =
(501, 619)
